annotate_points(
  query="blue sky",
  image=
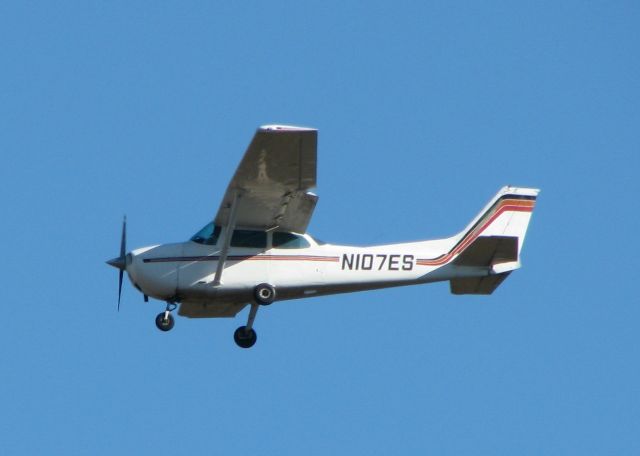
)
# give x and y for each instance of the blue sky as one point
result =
(424, 110)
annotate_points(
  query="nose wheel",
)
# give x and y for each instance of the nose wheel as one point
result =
(164, 320)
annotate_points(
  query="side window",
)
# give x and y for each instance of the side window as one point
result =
(207, 235)
(249, 238)
(289, 241)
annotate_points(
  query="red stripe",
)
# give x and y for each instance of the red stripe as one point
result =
(505, 206)
(245, 257)
(284, 258)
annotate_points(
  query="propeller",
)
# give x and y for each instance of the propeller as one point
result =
(121, 261)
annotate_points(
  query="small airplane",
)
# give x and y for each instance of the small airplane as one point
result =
(257, 249)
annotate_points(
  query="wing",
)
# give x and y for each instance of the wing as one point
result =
(273, 181)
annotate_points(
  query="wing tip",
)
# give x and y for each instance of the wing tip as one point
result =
(276, 127)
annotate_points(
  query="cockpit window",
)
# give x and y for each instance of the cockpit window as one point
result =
(249, 238)
(289, 241)
(207, 235)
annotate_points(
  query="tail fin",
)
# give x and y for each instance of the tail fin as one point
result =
(507, 214)
(493, 240)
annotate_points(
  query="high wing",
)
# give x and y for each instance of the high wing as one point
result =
(271, 187)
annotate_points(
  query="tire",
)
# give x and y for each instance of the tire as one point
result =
(264, 294)
(164, 325)
(244, 340)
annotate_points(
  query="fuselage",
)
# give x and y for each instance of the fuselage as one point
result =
(301, 268)
(297, 266)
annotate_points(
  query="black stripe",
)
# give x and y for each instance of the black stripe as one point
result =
(518, 197)
(488, 213)
(237, 258)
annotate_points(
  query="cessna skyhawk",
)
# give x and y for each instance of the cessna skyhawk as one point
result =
(257, 250)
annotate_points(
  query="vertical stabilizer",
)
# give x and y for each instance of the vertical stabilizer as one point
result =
(507, 214)
(492, 242)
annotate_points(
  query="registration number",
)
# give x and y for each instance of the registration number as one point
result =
(377, 262)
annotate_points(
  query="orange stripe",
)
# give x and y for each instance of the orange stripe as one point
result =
(507, 205)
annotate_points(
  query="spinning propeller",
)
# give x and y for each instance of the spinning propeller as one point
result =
(121, 261)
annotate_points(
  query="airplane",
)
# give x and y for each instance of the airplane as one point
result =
(257, 251)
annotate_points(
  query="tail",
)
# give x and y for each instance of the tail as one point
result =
(488, 249)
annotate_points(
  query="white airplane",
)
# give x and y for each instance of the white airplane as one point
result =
(256, 250)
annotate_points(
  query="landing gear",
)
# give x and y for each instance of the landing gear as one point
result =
(245, 336)
(264, 294)
(164, 320)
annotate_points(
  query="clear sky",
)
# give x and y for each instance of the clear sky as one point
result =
(424, 110)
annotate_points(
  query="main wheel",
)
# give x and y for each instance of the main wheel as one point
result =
(264, 294)
(243, 338)
(164, 324)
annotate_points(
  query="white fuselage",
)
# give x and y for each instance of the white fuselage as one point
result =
(185, 271)
(297, 266)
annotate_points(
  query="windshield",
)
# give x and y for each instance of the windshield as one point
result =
(207, 235)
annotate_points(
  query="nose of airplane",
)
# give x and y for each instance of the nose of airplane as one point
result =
(121, 262)
(118, 262)
(150, 269)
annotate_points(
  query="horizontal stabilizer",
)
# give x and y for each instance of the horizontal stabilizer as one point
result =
(478, 285)
(499, 253)
(489, 251)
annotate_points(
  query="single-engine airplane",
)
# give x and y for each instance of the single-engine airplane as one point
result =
(257, 249)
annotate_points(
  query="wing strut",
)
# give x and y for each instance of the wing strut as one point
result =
(228, 233)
